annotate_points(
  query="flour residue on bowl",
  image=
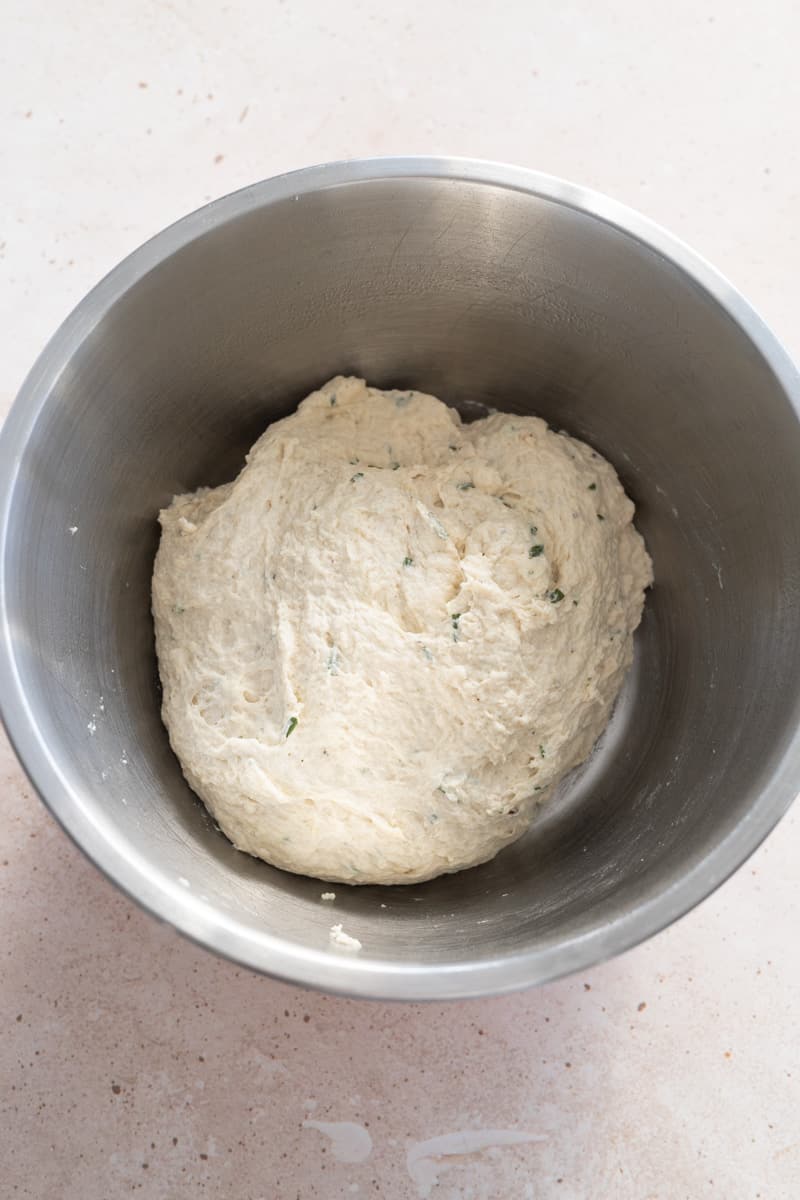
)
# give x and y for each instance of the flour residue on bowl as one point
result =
(343, 940)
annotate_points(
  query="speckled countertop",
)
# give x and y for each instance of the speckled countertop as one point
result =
(130, 1061)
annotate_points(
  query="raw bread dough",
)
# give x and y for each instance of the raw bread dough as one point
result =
(386, 641)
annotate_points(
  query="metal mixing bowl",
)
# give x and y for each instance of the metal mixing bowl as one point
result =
(482, 284)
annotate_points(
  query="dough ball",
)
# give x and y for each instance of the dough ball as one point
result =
(386, 642)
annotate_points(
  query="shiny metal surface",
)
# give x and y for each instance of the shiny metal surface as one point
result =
(483, 284)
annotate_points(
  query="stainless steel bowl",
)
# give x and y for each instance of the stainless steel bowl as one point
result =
(482, 284)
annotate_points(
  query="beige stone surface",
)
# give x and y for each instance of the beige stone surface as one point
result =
(133, 1062)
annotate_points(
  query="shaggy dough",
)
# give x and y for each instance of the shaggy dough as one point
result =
(385, 642)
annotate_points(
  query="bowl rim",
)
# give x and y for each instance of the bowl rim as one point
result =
(332, 971)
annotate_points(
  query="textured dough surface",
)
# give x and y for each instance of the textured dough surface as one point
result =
(386, 641)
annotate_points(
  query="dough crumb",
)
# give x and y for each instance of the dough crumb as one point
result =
(328, 896)
(340, 938)
(186, 526)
